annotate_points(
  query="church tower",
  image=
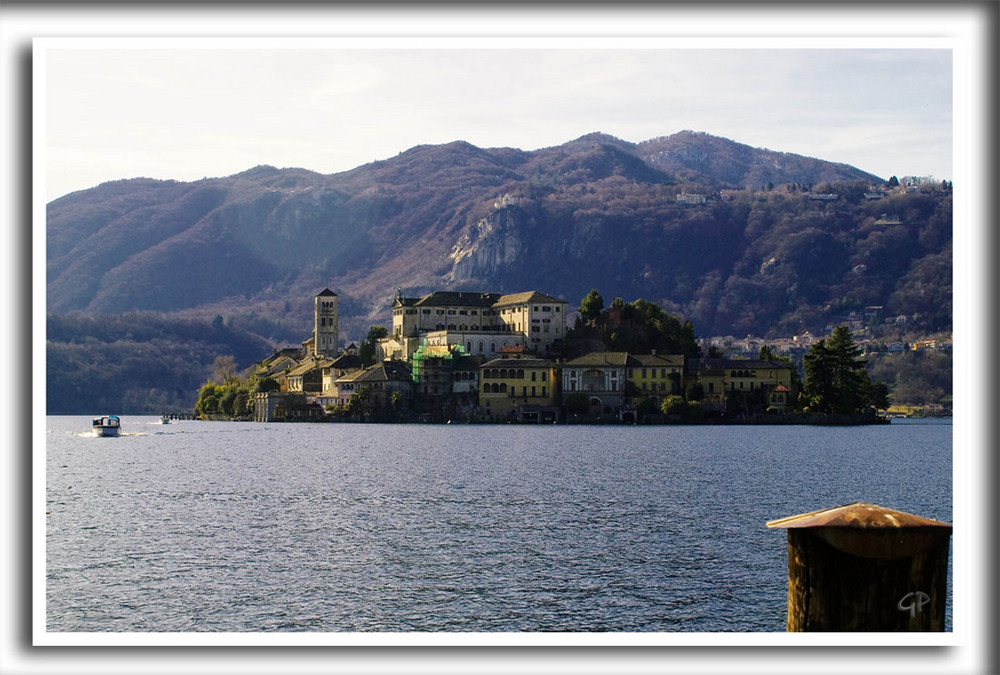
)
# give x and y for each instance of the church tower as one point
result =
(326, 332)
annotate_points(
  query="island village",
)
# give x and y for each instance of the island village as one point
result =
(458, 356)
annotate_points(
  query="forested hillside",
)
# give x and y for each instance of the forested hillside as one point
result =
(138, 362)
(734, 239)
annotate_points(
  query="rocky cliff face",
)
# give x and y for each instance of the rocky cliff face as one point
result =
(493, 247)
(594, 212)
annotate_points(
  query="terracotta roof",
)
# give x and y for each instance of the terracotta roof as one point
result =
(754, 363)
(529, 296)
(346, 361)
(383, 372)
(309, 365)
(519, 363)
(457, 299)
(656, 360)
(600, 359)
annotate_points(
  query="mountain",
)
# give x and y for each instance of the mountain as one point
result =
(765, 253)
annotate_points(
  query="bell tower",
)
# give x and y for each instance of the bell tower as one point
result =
(326, 330)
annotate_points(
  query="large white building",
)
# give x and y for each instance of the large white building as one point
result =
(482, 323)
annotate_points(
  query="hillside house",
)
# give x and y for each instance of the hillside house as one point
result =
(376, 386)
(522, 389)
(601, 376)
(742, 383)
(445, 381)
(482, 323)
(656, 376)
(307, 377)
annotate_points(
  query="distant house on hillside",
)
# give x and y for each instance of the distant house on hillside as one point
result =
(691, 198)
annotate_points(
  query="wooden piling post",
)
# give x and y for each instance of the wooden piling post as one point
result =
(862, 567)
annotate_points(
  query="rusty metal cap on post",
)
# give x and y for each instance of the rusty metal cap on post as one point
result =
(869, 530)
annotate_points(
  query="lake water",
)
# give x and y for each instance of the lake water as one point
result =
(214, 526)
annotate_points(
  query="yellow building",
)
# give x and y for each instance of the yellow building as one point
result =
(656, 375)
(746, 376)
(744, 379)
(519, 389)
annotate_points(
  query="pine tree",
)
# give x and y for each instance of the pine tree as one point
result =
(836, 379)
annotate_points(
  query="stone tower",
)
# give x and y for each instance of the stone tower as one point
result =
(326, 330)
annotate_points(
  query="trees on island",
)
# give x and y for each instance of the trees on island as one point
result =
(837, 382)
(836, 377)
(640, 327)
(229, 394)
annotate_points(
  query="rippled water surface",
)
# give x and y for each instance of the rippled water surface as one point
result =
(212, 526)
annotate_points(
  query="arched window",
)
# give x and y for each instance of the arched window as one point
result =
(503, 387)
(503, 373)
(520, 374)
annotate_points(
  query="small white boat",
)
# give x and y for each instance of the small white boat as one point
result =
(165, 419)
(106, 425)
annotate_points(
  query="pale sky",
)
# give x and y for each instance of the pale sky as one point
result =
(190, 110)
